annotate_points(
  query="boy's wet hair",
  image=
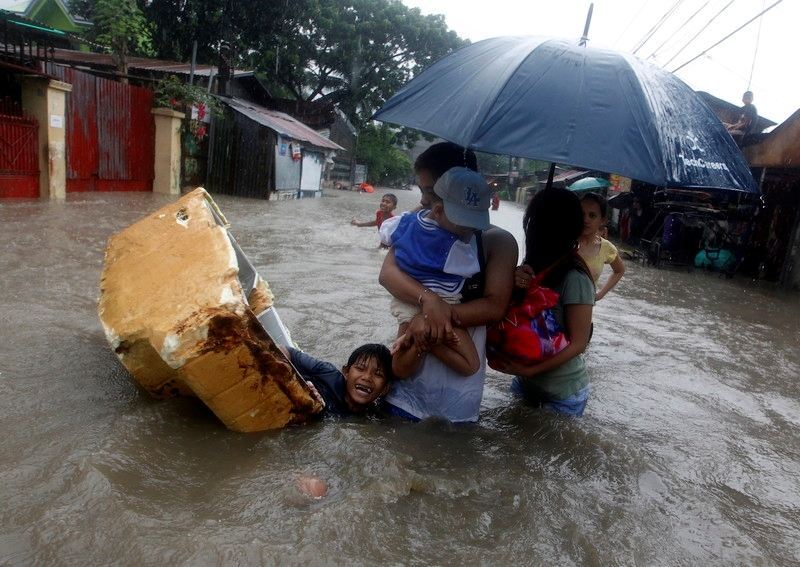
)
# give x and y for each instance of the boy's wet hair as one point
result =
(600, 200)
(440, 157)
(392, 197)
(378, 352)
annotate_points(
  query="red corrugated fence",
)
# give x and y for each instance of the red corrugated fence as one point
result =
(110, 134)
(19, 156)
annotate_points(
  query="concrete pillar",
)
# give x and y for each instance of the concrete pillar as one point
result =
(168, 151)
(45, 99)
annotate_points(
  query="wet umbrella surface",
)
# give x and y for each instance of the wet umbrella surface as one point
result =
(689, 452)
(553, 100)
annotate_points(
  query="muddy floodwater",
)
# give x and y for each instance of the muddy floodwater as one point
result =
(689, 452)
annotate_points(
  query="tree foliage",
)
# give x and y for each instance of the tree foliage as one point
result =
(172, 92)
(121, 26)
(356, 53)
(386, 164)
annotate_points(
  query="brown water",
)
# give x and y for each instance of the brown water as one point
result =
(689, 452)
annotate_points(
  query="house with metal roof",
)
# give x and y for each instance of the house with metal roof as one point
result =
(266, 154)
(775, 161)
(52, 13)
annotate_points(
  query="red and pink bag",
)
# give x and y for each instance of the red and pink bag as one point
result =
(529, 332)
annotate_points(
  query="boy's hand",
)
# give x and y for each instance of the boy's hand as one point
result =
(437, 317)
(523, 276)
(418, 330)
(451, 339)
(354, 222)
(402, 342)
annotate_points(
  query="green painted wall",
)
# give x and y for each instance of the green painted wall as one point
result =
(50, 13)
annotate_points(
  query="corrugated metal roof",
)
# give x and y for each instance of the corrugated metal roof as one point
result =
(139, 63)
(282, 123)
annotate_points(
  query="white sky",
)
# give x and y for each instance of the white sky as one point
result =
(623, 24)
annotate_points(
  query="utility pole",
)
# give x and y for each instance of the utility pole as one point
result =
(194, 63)
(225, 72)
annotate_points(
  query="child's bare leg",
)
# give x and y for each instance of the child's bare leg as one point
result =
(459, 354)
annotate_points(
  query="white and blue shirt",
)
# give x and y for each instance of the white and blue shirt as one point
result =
(436, 258)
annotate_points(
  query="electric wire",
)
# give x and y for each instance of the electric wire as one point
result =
(733, 72)
(624, 31)
(748, 22)
(755, 52)
(657, 25)
(708, 23)
(683, 25)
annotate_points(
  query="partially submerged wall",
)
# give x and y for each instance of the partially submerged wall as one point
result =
(175, 311)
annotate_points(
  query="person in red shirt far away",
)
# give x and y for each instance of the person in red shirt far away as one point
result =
(385, 211)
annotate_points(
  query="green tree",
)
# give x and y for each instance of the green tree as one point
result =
(386, 164)
(492, 163)
(356, 53)
(216, 25)
(121, 26)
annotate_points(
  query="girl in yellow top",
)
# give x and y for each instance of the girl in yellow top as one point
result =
(595, 250)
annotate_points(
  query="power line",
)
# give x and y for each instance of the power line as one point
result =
(748, 22)
(755, 52)
(644, 4)
(708, 23)
(684, 24)
(657, 25)
(733, 72)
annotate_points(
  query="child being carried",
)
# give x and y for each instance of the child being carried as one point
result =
(437, 247)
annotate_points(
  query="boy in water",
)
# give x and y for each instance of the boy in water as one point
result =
(366, 376)
(385, 211)
(437, 247)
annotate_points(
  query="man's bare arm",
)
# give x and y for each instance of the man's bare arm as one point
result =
(501, 253)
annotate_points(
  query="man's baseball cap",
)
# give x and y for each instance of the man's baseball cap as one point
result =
(466, 197)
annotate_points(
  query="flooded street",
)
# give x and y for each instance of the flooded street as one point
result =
(689, 452)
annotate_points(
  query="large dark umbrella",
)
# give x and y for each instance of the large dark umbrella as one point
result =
(553, 100)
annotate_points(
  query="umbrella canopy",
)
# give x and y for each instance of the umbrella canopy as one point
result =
(550, 99)
(589, 184)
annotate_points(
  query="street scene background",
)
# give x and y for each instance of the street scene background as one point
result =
(687, 453)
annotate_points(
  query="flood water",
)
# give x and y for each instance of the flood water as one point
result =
(688, 454)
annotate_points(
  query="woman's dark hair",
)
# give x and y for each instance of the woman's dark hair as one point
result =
(600, 200)
(440, 157)
(378, 352)
(552, 223)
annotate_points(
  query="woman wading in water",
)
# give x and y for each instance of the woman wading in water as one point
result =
(553, 223)
(436, 390)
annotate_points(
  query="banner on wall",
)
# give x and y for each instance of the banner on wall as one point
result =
(619, 183)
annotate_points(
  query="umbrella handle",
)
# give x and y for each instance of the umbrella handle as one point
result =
(550, 175)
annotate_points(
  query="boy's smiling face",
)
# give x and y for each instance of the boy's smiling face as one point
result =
(365, 381)
(387, 205)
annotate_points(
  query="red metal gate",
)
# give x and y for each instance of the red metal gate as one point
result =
(19, 158)
(110, 134)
